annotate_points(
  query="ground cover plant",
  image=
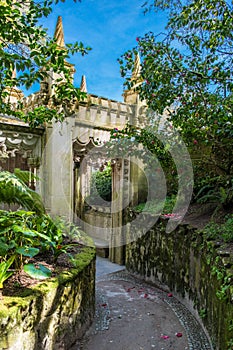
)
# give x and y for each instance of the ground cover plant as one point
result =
(26, 236)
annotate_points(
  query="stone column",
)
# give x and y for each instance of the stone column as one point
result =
(57, 169)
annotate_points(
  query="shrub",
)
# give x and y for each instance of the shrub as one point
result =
(101, 186)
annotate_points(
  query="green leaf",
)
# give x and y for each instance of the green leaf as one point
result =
(4, 266)
(27, 251)
(29, 234)
(39, 272)
(3, 248)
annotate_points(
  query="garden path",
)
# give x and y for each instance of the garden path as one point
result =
(134, 315)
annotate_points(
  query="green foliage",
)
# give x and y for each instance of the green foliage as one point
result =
(152, 147)
(24, 235)
(148, 137)
(101, 185)
(14, 190)
(203, 313)
(25, 44)
(187, 70)
(4, 273)
(224, 277)
(222, 231)
(19, 236)
(25, 175)
(158, 208)
(230, 344)
(39, 271)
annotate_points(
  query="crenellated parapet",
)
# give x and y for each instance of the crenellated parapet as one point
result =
(93, 111)
(104, 113)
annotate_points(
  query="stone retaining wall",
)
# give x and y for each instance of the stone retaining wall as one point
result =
(53, 314)
(181, 262)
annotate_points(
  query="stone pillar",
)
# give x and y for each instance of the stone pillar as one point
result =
(120, 202)
(57, 169)
(84, 186)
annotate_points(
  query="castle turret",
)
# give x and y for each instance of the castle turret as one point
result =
(46, 85)
(131, 96)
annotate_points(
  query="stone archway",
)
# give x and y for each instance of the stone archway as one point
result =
(93, 215)
(107, 225)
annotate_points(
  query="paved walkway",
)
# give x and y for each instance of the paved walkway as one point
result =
(133, 315)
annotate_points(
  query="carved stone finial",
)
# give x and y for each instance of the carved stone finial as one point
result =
(83, 85)
(131, 96)
(137, 68)
(14, 73)
(59, 33)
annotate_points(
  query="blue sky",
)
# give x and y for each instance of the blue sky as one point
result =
(110, 27)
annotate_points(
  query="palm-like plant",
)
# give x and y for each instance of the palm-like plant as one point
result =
(13, 190)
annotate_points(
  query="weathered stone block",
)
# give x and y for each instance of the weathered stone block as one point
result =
(53, 314)
(180, 261)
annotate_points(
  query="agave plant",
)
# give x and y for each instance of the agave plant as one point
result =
(13, 190)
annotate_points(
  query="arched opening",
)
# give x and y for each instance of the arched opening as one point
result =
(92, 193)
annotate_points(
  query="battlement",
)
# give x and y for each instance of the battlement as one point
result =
(107, 103)
(93, 110)
(101, 112)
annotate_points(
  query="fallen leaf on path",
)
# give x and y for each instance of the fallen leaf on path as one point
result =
(179, 334)
(165, 336)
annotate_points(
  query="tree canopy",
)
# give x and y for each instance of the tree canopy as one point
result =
(26, 47)
(188, 70)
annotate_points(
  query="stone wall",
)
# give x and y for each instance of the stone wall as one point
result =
(181, 262)
(53, 314)
(98, 222)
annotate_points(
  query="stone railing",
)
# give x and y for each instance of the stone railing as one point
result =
(53, 314)
(193, 269)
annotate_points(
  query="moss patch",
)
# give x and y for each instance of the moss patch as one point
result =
(56, 310)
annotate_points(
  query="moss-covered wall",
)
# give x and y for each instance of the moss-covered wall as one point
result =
(53, 314)
(193, 270)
